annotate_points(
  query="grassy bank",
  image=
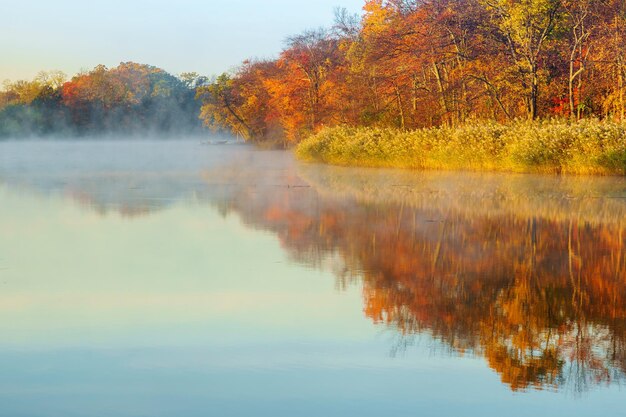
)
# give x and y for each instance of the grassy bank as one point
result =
(555, 146)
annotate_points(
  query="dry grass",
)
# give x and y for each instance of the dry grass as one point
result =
(551, 146)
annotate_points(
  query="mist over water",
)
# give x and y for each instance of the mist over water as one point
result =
(172, 277)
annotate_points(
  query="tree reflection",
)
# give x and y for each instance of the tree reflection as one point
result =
(541, 297)
(528, 272)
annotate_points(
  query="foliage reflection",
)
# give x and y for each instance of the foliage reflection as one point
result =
(540, 293)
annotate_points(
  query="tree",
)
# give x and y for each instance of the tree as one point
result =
(308, 62)
(524, 27)
(578, 15)
(221, 107)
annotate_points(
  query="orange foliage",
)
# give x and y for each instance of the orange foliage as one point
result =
(413, 64)
(543, 300)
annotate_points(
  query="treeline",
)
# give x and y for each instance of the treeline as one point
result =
(129, 99)
(420, 63)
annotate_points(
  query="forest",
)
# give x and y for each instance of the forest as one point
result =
(129, 99)
(411, 64)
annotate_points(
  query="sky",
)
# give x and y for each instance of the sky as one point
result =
(208, 37)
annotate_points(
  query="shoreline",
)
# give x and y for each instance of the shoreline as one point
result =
(588, 147)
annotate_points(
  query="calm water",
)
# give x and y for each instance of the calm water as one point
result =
(175, 279)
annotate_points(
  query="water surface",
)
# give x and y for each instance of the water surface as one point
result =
(168, 278)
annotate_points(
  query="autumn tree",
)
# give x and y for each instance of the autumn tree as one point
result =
(609, 61)
(221, 107)
(578, 16)
(524, 28)
(129, 98)
(302, 92)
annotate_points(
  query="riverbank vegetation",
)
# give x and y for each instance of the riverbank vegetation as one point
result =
(556, 146)
(406, 65)
(130, 98)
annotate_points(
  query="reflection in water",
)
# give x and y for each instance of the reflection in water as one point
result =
(526, 271)
(535, 286)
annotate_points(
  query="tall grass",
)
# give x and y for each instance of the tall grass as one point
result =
(551, 146)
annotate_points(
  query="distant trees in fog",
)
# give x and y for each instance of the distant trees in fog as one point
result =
(131, 98)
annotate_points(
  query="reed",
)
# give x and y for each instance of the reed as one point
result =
(549, 146)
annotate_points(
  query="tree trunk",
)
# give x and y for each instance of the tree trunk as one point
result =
(400, 107)
(570, 88)
(442, 97)
(534, 93)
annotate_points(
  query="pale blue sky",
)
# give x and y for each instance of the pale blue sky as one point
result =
(186, 35)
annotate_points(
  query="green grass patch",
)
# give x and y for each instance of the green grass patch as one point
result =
(551, 146)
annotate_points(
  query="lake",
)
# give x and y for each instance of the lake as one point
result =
(172, 278)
